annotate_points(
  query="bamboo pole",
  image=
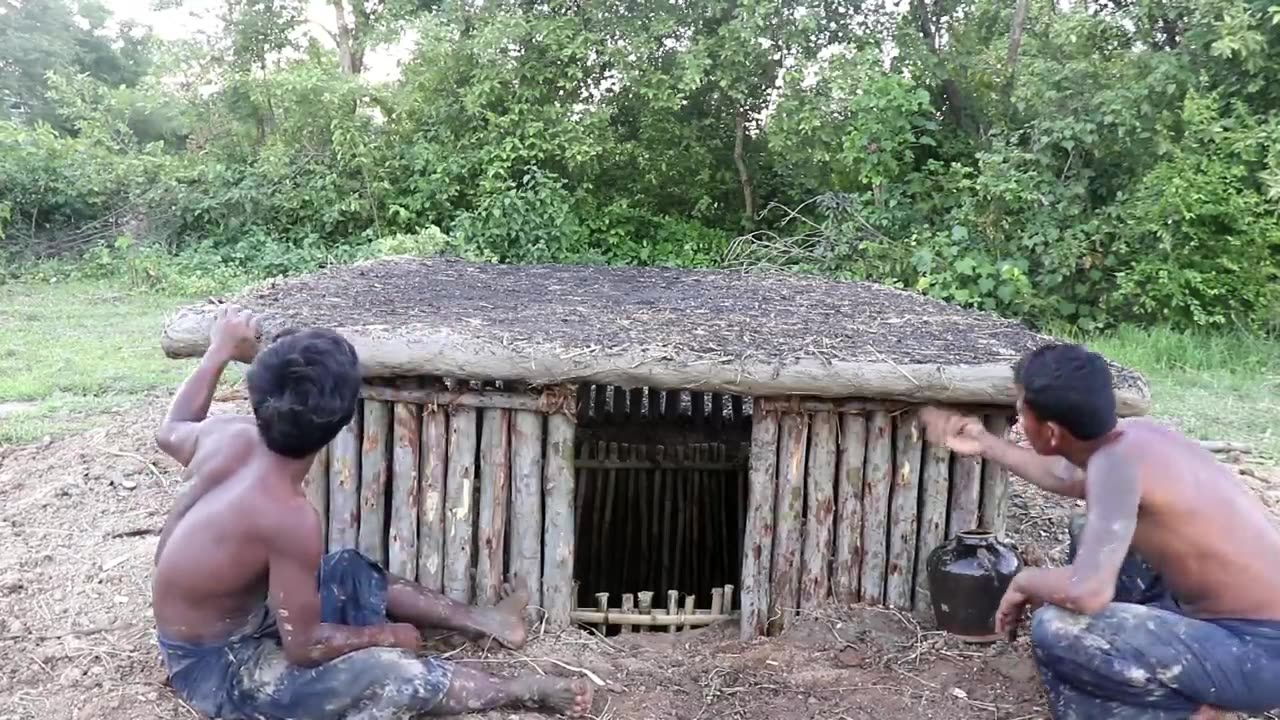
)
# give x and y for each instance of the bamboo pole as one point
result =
(459, 507)
(607, 568)
(374, 458)
(757, 553)
(526, 503)
(728, 545)
(431, 525)
(597, 554)
(673, 605)
(654, 411)
(628, 608)
(966, 493)
(784, 590)
(798, 404)
(904, 507)
(682, 518)
(600, 398)
(717, 601)
(495, 488)
(995, 481)
(645, 598)
(602, 606)
(669, 620)
(316, 487)
(558, 478)
(668, 524)
(849, 474)
(690, 610)
(934, 486)
(819, 523)
(486, 399)
(698, 528)
(875, 505)
(728, 599)
(406, 463)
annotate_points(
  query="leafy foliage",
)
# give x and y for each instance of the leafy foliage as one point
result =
(1108, 162)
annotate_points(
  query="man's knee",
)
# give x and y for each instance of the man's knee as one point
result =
(403, 679)
(1057, 633)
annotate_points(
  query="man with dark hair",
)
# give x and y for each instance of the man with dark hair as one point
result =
(254, 620)
(1187, 621)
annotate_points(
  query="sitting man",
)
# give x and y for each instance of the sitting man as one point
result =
(1195, 630)
(254, 621)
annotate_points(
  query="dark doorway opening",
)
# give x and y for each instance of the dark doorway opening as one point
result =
(661, 494)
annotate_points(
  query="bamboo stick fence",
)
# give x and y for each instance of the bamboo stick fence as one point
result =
(427, 479)
(857, 482)
(780, 505)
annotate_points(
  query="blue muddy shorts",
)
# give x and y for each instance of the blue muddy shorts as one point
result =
(248, 677)
(1141, 657)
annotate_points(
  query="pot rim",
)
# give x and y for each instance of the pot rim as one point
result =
(975, 535)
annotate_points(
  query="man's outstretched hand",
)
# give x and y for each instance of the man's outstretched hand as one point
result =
(235, 334)
(961, 433)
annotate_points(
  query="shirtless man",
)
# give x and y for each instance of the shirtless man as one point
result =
(1186, 622)
(254, 620)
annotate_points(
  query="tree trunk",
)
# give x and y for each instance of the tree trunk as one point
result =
(1016, 27)
(744, 174)
(347, 54)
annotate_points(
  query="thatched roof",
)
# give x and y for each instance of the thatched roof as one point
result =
(756, 334)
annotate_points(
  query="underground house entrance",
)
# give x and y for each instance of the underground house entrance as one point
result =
(661, 507)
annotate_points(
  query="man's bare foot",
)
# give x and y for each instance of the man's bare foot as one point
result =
(561, 695)
(505, 622)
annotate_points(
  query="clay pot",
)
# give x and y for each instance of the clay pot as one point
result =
(968, 575)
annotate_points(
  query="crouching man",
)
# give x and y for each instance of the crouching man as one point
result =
(1170, 606)
(254, 620)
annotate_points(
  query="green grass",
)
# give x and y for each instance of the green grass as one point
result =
(1211, 386)
(70, 351)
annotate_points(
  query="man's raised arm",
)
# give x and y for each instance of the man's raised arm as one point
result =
(234, 337)
(967, 436)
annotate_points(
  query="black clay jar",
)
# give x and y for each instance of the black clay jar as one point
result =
(968, 575)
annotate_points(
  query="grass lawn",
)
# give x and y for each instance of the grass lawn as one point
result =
(73, 350)
(70, 351)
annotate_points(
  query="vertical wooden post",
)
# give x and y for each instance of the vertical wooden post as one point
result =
(904, 506)
(316, 487)
(728, 599)
(934, 486)
(819, 524)
(344, 485)
(495, 484)
(628, 608)
(995, 481)
(459, 515)
(853, 455)
(673, 607)
(875, 505)
(373, 481)
(758, 538)
(645, 598)
(558, 478)
(717, 600)
(690, 608)
(431, 498)
(526, 502)
(406, 464)
(966, 493)
(784, 590)
(602, 606)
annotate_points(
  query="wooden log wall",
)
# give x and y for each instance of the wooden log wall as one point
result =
(457, 487)
(847, 500)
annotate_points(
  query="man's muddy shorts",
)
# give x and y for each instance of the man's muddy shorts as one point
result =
(1141, 657)
(248, 677)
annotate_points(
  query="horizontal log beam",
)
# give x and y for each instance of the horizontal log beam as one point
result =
(548, 402)
(418, 350)
(796, 404)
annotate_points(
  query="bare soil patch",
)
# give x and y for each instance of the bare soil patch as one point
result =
(78, 524)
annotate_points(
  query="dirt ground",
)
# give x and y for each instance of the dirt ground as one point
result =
(79, 518)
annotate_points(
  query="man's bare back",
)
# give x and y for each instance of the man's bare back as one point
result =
(211, 568)
(1200, 526)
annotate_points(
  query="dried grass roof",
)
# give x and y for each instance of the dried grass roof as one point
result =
(583, 323)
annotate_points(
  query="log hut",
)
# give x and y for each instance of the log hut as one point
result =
(657, 435)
